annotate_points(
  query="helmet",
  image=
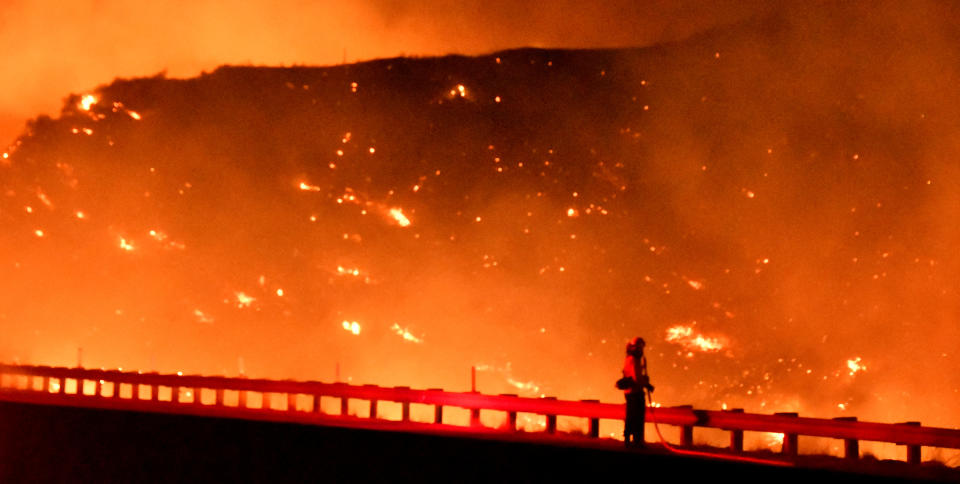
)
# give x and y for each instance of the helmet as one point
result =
(636, 344)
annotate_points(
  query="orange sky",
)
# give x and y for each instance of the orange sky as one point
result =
(51, 49)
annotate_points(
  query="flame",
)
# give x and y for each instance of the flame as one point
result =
(309, 188)
(202, 317)
(460, 91)
(348, 272)
(685, 336)
(87, 102)
(351, 326)
(772, 440)
(398, 215)
(855, 366)
(243, 300)
(405, 334)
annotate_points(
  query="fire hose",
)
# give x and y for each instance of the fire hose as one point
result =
(711, 455)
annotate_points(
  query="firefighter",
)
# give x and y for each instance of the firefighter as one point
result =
(634, 384)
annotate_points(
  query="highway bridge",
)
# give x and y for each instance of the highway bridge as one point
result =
(422, 412)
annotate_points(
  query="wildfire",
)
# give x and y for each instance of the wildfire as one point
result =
(460, 91)
(351, 326)
(87, 102)
(343, 271)
(696, 285)
(398, 215)
(405, 334)
(772, 440)
(855, 366)
(243, 300)
(202, 317)
(684, 335)
(309, 188)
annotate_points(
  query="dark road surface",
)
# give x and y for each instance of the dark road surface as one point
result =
(43, 443)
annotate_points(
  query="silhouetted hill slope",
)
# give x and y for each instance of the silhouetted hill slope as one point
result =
(781, 188)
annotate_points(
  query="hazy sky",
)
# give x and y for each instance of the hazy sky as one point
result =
(51, 48)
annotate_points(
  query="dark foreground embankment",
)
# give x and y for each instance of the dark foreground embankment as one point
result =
(41, 443)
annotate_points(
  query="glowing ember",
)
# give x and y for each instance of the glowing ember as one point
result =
(87, 102)
(126, 245)
(309, 188)
(348, 272)
(135, 115)
(202, 317)
(351, 326)
(398, 215)
(38, 233)
(855, 366)
(405, 334)
(243, 300)
(685, 336)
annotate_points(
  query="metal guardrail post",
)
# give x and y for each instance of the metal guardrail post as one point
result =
(913, 451)
(404, 406)
(316, 404)
(175, 394)
(437, 408)
(219, 401)
(686, 431)
(196, 396)
(291, 402)
(242, 399)
(134, 391)
(511, 414)
(790, 440)
(551, 419)
(851, 447)
(593, 427)
(736, 436)
(344, 405)
(373, 408)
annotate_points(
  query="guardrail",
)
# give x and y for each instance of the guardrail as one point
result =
(118, 389)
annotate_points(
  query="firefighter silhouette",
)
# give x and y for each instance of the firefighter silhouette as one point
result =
(634, 384)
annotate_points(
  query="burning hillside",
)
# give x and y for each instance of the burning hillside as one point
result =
(776, 223)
